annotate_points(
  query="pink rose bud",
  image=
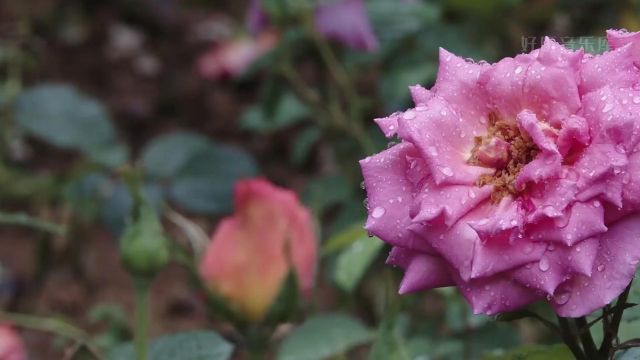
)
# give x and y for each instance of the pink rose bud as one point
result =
(252, 251)
(494, 153)
(11, 345)
(233, 58)
(519, 180)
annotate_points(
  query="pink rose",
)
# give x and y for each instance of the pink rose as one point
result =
(517, 181)
(233, 58)
(11, 345)
(251, 252)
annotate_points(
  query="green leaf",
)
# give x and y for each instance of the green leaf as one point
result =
(303, 144)
(287, 111)
(344, 238)
(193, 345)
(630, 354)
(533, 352)
(322, 193)
(166, 155)
(393, 20)
(205, 183)
(64, 117)
(354, 261)
(394, 87)
(323, 336)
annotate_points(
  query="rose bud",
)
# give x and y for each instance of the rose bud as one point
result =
(233, 58)
(252, 252)
(11, 345)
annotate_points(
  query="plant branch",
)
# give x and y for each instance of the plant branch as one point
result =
(569, 338)
(611, 332)
(21, 219)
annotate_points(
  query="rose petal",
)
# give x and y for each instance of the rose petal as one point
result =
(615, 267)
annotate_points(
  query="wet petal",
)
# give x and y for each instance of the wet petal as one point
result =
(557, 264)
(389, 193)
(444, 140)
(615, 267)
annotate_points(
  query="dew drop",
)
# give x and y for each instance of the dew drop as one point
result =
(408, 115)
(543, 265)
(636, 100)
(562, 298)
(472, 194)
(518, 70)
(378, 212)
(600, 267)
(432, 151)
(607, 108)
(446, 171)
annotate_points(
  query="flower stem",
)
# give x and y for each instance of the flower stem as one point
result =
(569, 338)
(611, 331)
(587, 340)
(141, 336)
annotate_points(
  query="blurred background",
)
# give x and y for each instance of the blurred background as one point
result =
(196, 94)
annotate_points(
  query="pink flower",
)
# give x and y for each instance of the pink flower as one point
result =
(345, 21)
(232, 58)
(251, 252)
(11, 345)
(517, 181)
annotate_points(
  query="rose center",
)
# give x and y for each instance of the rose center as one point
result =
(506, 149)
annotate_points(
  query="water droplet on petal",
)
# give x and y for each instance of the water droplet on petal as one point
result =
(518, 70)
(408, 115)
(607, 108)
(378, 212)
(446, 171)
(562, 298)
(432, 151)
(543, 265)
(600, 267)
(636, 100)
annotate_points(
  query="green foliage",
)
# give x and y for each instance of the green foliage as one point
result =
(166, 155)
(194, 345)
(65, 117)
(323, 336)
(286, 111)
(534, 352)
(355, 260)
(205, 183)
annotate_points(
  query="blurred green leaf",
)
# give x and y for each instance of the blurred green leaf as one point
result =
(205, 183)
(166, 155)
(65, 117)
(630, 354)
(344, 238)
(324, 192)
(288, 111)
(395, 19)
(303, 143)
(533, 352)
(194, 345)
(394, 86)
(323, 336)
(354, 261)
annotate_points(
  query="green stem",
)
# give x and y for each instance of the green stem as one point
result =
(569, 338)
(141, 335)
(20, 219)
(611, 332)
(53, 326)
(587, 340)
